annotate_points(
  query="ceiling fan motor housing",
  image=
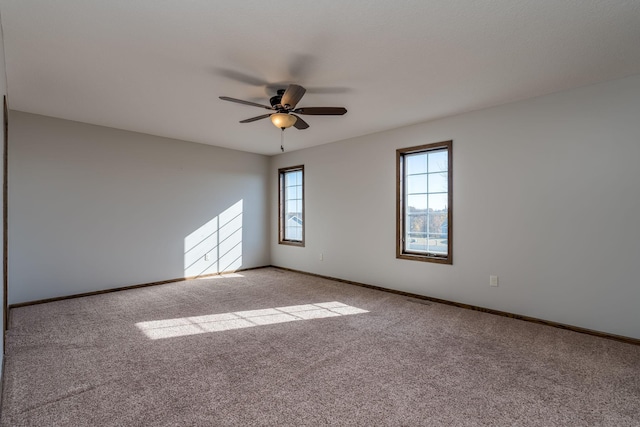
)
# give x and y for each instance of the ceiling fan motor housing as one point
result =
(276, 100)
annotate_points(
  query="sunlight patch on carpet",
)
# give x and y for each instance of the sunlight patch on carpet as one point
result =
(171, 328)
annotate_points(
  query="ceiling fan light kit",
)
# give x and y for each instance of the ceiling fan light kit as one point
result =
(283, 120)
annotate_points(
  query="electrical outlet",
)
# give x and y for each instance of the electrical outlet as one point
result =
(321, 257)
(493, 281)
(206, 257)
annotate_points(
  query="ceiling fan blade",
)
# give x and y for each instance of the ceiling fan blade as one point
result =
(300, 124)
(321, 111)
(240, 77)
(301, 66)
(293, 95)
(240, 101)
(253, 119)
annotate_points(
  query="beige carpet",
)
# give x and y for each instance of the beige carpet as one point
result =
(273, 348)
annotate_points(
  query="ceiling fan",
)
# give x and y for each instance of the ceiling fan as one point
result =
(283, 105)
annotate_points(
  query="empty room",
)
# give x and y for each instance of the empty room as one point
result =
(295, 213)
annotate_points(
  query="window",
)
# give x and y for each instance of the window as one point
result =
(424, 198)
(291, 200)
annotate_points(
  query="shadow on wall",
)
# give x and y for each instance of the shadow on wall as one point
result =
(216, 246)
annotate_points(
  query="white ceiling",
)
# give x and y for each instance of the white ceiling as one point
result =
(158, 67)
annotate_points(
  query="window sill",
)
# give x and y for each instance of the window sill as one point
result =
(426, 258)
(291, 243)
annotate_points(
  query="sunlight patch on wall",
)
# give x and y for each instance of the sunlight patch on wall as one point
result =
(171, 328)
(216, 246)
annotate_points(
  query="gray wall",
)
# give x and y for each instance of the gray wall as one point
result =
(92, 208)
(546, 196)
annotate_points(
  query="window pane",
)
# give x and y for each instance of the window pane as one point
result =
(291, 193)
(289, 179)
(438, 202)
(291, 206)
(438, 223)
(293, 229)
(438, 182)
(416, 202)
(438, 161)
(437, 245)
(416, 163)
(417, 183)
(416, 242)
(417, 223)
